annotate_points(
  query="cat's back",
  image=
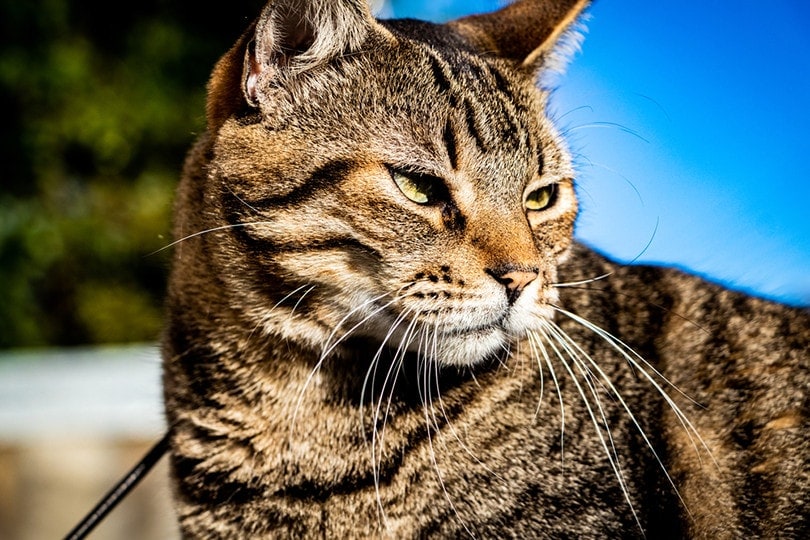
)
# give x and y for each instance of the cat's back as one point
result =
(737, 366)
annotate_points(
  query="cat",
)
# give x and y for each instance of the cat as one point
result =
(379, 325)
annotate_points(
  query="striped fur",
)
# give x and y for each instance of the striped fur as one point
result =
(343, 359)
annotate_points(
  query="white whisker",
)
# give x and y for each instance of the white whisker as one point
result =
(535, 353)
(270, 313)
(539, 342)
(241, 200)
(615, 392)
(636, 360)
(583, 282)
(206, 231)
(328, 350)
(427, 407)
(329, 346)
(610, 450)
(378, 438)
(300, 299)
(371, 373)
(453, 431)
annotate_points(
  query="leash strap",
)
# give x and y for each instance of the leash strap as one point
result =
(121, 489)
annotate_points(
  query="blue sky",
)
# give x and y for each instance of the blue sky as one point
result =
(690, 121)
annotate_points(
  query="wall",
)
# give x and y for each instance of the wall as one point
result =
(72, 423)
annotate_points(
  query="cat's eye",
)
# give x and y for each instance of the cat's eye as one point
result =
(541, 198)
(421, 189)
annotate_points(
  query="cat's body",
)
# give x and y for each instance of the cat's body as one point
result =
(384, 328)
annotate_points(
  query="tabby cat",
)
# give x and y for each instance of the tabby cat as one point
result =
(379, 324)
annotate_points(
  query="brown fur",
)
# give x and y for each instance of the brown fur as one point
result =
(342, 360)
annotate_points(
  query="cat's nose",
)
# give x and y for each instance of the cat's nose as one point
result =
(514, 279)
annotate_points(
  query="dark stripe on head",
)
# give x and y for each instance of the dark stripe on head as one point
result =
(325, 177)
(541, 162)
(513, 130)
(500, 81)
(472, 126)
(438, 73)
(263, 250)
(451, 144)
(508, 130)
(442, 74)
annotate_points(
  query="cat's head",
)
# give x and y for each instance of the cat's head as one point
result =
(393, 181)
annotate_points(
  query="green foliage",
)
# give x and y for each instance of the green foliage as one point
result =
(99, 104)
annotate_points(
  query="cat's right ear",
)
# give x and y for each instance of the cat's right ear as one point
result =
(289, 36)
(534, 34)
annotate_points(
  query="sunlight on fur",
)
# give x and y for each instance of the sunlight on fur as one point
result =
(379, 323)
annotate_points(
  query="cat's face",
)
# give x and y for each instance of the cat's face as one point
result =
(410, 194)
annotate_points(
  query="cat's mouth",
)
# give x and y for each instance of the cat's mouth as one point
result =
(475, 330)
(450, 335)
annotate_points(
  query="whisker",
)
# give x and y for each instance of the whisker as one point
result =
(453, 431)
(535, 353)
(576, 353)
(397, 362)
(539, 342)
(649, 242)
(653, 304)
(576, 109)
(427, 407)
(583, 282)
(615, 392)
(371, 374)
(636, 360)
(327, 351)
(329, 346)
(241, 200)
(608, 125)
(378, 438)
(598, 165)
(611, 455)
(300, 299)
(206, 231)
(267, 316)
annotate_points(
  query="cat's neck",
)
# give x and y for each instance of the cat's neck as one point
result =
(365, 405)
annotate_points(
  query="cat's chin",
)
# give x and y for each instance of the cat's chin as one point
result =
(469, 348)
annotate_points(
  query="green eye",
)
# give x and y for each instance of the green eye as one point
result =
(541, 198)
(419, 189)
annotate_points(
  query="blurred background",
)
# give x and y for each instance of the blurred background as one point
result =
(687, 120)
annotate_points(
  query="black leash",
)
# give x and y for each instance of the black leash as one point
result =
(121, 489)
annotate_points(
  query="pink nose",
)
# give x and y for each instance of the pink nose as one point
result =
(514, 280)
(517, 280)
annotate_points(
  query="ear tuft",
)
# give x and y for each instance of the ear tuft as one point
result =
(535, 34)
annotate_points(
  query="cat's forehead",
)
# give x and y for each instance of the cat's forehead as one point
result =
(438, 62)
(425, 101)
(457, 102)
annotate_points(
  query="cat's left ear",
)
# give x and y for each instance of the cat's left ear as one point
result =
(294, 35)
(528, 32)
(290, 36)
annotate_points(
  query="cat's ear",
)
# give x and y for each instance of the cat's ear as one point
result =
(289, 36)
(300, 34)
(528, 32)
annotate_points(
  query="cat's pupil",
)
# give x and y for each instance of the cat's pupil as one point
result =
(541, 198)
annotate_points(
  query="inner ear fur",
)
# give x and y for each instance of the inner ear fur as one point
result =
(525, 32)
